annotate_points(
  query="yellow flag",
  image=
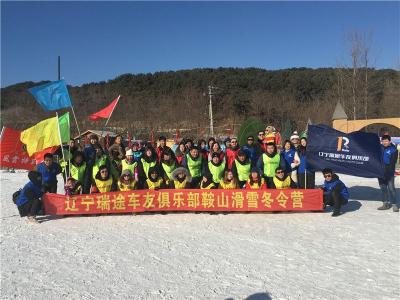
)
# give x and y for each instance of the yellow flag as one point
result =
(46, 134)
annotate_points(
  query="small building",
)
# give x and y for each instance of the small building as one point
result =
(101, 134)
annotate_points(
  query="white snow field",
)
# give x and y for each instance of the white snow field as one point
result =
(203, 256)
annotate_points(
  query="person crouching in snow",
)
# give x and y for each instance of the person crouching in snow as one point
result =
(126, 182)
(335, 191)
(180, 179)
(255, 180)
(229, 181)
(72, 187)
(282, 180)
(104, 182)
(154, 180)
(28, 201)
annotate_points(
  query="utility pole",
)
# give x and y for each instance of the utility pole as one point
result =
(210, 94)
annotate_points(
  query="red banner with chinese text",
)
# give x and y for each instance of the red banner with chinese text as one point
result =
(184, 200)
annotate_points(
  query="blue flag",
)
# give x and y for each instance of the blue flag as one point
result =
(357, 153)
(52, 96)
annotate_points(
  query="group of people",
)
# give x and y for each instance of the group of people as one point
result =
(262, 163)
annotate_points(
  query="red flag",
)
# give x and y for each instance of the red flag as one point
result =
(39, 156)
(106, 112)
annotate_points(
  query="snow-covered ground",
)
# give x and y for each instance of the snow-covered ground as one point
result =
(202, 256)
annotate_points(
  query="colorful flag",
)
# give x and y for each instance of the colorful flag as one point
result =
(106, 112)
(12, 152)
(357, 153)
(46, 134)
(52, 96)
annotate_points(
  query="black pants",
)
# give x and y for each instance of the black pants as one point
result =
(50, 187)
(30, 208)
(334, 199)
(301, 178)
(195, 183)
(269, 181)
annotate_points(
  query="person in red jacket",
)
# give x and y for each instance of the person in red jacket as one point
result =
(162, 146)
(231, 153)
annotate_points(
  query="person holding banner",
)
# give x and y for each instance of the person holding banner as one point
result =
(268, 162)
(104, 182)
(386, 183)
(180, 179)
(154, 180)
(49, 171)
(126, 181)
(229, 181)
(255, 180)
(335, 191)
(282, 180)
(305, 177)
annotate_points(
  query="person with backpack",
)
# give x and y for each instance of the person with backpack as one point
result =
(28, 200)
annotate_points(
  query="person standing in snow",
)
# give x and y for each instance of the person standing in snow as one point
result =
(335, 191)
(386, 183)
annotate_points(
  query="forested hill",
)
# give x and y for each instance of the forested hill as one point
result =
(168, 100)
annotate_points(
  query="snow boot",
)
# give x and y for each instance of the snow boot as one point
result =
(385, 206)
(336, 214)
(395, 208)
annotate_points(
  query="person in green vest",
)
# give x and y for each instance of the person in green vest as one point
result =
(147, 161)
(129, 163)
(268, 162)
(168, 165)
(102, 159)
(193, 161)
(216, 168)
(241, 168)
(77, 168)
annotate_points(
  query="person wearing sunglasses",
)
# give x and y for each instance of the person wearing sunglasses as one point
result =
(335, 191)
(252, 149)
(104, 182)
(282, 180)
(231, 152)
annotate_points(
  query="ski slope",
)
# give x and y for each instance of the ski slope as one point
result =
(203, 256)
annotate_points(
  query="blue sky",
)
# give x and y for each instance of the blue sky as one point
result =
(101, 40)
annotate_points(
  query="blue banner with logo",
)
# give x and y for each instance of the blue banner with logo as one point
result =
(357, 153)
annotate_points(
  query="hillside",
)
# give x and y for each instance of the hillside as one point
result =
(168, 100)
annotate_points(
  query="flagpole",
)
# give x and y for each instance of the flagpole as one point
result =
(110, 115)
(76, 121)
(62, 150)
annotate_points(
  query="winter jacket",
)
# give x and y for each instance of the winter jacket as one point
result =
(117, 148)
(289, 157)
(49, 174)
(390, 155)
(253, 152)
(231, 154)
(32, 190)
(336, 185)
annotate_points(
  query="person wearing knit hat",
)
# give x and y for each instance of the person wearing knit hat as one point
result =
(180, 179)
(295, 139)
(390, 155)
(126, 182)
